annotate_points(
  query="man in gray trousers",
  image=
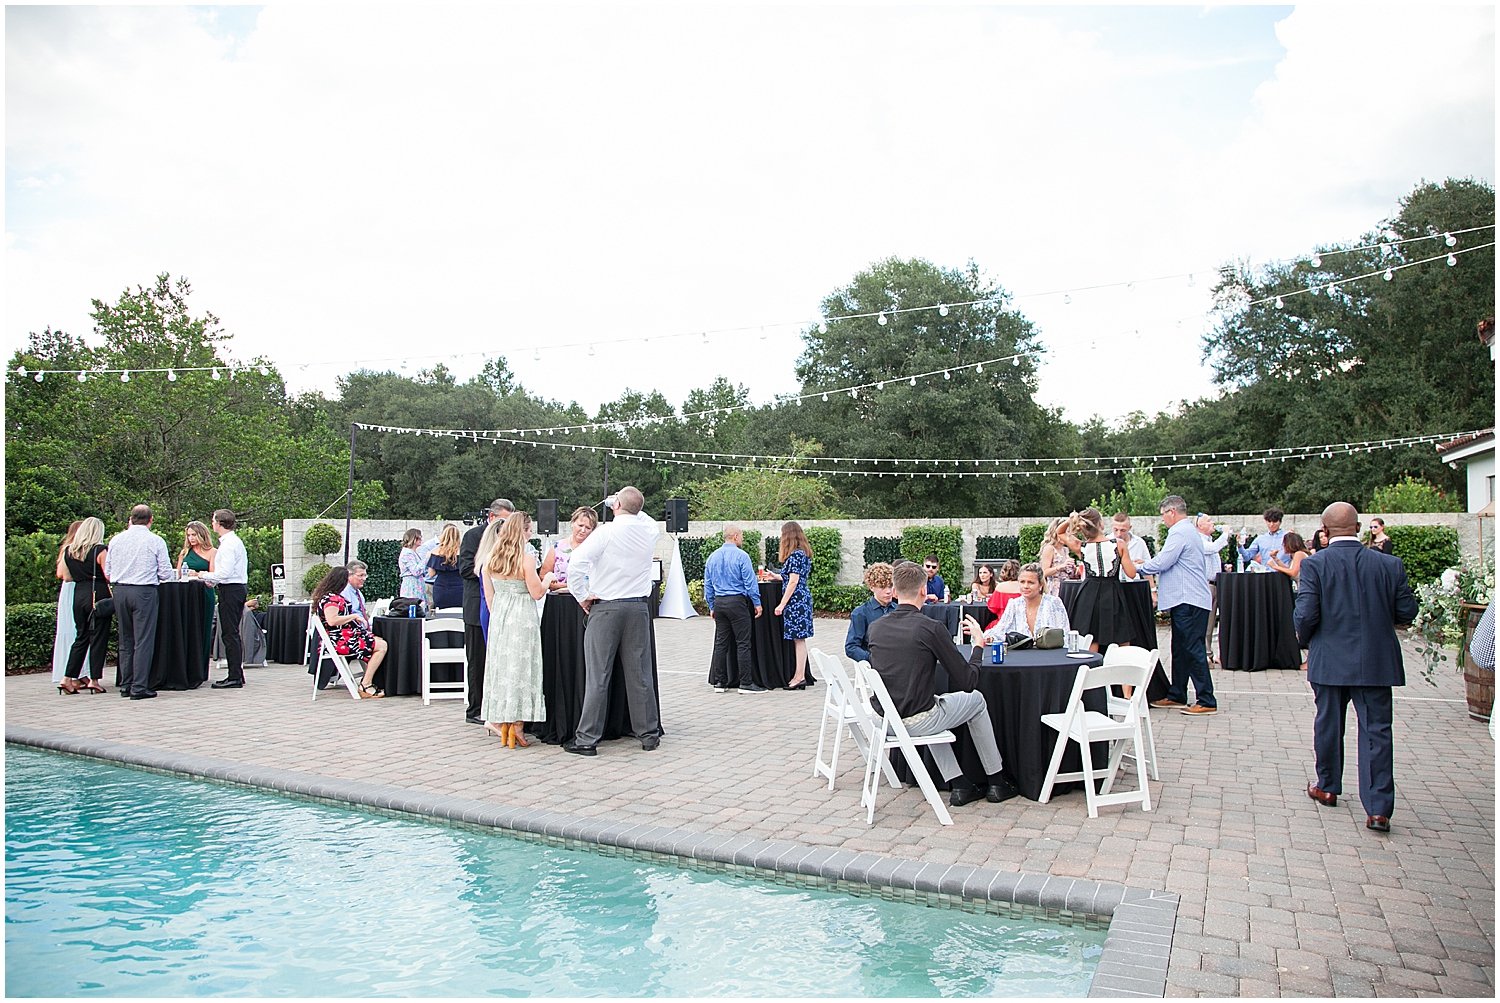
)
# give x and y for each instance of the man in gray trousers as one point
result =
(610, 574)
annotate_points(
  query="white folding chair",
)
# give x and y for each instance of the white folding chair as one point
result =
(443, 689)
(891, 733)
(1120, 654)
(843, 707)
(342, 664)
(1077, 724)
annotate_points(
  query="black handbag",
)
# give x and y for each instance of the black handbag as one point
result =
(102, 609)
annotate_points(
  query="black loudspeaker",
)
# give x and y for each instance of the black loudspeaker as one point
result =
(676, 516)
(546, 516)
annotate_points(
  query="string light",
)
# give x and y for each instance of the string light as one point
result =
(1389, 275)
(881, 319)
(217, 376)
(171, 376)
(265, 370)
(82, 376)
(38, 377)
(1452, 260)
(1449, 239)
(125, 376)
(942, 309)
(1317, 261)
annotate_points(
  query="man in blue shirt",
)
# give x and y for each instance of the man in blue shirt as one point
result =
(1267, 544)
(731, 592)
(882, 600)
(1182, 588)
(937, 591)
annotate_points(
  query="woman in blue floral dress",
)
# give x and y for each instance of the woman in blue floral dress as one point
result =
(796, 598)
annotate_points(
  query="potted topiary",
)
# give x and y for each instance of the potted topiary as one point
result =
(322, 539)
(1448, 610)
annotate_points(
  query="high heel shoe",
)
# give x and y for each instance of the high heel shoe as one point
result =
(498, 730)
(64, 687)
(518, 736)
(92, 686)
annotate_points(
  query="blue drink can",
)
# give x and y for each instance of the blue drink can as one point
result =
(997, 653)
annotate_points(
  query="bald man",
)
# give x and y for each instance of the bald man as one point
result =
(1349, 601)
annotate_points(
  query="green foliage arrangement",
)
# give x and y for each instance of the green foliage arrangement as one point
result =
(29, 630)
(1030, 541)
(1427, 551)
(693, 555)
(313, 575)
(827, 555)
(1412, 494)
(998, 548)
(945, 541)
(695, 596)
(263, 549)
(322, 539)
(31, 568)
(753, 493)
(882, 548)
(839, 598)
(382, 556)
(1440, 612)
(714, 541)
(1143, 493)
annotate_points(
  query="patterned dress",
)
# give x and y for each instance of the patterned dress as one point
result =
(796, 619)
(413, 570)
(513, 656)
(354, 639)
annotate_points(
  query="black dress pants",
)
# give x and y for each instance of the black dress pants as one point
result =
(734, 619)
(88, 640)
(474, 649)
(231, 612)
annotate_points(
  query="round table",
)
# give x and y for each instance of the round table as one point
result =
(565, 675)
(400, 673)
(1140, 610)
(286, 633)
(950, 615)
(773, 659)
(180, 659)
(1255, 621)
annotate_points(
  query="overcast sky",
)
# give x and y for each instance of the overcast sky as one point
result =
(352, 185)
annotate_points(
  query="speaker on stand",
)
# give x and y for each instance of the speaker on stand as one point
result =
(546, 516)
(676, 516)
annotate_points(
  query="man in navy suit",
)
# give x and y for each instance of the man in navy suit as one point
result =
(1349, 601)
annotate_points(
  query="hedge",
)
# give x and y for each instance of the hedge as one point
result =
(29, 630)
(839, 598)
(693, 556)
(827, 555)
(381, 556)
(31, 569)
(1427, 551)
(322, 539)
(945, 541)
(882, 548)
(997, 548)
(313, 575)
(708, 544)
(1030, 541)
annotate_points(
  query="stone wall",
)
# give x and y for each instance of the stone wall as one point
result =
(854, 531)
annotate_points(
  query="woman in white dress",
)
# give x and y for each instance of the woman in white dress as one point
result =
(513, 653)
(1032, 612)
(62, 640)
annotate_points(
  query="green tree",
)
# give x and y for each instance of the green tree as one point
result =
(1412, 494)
(765, 492)
(1142, 494)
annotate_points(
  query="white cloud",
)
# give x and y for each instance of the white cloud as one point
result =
(354, 183)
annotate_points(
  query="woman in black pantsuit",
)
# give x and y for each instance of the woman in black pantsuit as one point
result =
(84, 558)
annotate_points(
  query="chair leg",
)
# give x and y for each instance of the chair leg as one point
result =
(1086, 753)
(838, 741)
(1150, 746)
(818, 764)
(1116, 754)
(1141, 774)
(871, 787)
(929, 789)
(1057, 753)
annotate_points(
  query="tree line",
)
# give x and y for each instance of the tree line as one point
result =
(1377, 359)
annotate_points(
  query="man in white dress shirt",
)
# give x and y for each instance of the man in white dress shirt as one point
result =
(231, 574)
(1138, 553)
(610, 575)
(136, 563)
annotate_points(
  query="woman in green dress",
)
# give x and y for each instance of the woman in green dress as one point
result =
(198, 553)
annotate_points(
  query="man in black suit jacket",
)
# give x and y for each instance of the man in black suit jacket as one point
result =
(1349, 601)
(474, 647)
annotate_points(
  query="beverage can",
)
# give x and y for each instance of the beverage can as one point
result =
(411, 611)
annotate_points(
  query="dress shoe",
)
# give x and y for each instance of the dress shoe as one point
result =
(473, 720)
(1002, 790)
(651, 743)
(1198, 710)
(962, 794)
(1167, 702)
(227, 684)
(142, 696)
(752, 688)
(1378, 823)
(1321, 796)
(580, 750)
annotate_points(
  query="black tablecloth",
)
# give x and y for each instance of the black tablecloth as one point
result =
(950, 615)
(1141, 610)
(286, 633)
(1255, 622)
(1018, 693)
(180, 661)
(564, 677)
(773, 659)
(400, 674)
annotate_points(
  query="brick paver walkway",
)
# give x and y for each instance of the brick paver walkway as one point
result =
(1279, 896)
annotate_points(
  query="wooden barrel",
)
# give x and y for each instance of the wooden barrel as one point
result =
(1479, 683)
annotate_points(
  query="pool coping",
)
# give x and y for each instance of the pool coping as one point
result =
(1141, 922)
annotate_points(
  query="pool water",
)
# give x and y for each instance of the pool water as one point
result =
(120, 882)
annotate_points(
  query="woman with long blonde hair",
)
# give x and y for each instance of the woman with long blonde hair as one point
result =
(447, 586)
(795, 608)
(513, 652)
(83, 558)
(198, 554)
(1055, 557)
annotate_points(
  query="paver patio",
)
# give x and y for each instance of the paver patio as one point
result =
(1279, 896)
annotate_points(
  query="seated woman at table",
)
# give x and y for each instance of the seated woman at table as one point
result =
(1100, 608)
(410, 565)
(1056, 558)
(795, 608)
(1296, 551)
(1034, 611)
(584, 522)
(197, 554)
(347, 628)
(983, 585)
(447, 586)
(513, 652)
(1007, 587)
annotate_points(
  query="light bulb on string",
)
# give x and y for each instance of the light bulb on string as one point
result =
(1452, 260)
(1016, 361)
(38, 377)
(1389, 274)
(82, 376)
(881, 320)
(1385, 248)
(536, 355)
(125, 376)
(825, 398)
(265, 370)
(880, 385)
(947, 375)
(1067, 298)
(942, 309)
(171, 376)
(1317, 261)
(1279, 303)
(853, 393)
(216, 374)
(1333, 289)
(822, 327)
(762, 334)
(1449, 239)
(979, 368)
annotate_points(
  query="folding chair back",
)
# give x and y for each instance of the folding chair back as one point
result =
(890, 733)
(1119, 706)
(341, 663)
(1078, 724)
(443, 689)
(843, 708)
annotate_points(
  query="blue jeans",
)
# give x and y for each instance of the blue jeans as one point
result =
(1189, 657)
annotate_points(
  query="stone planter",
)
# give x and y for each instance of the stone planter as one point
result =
(1479, 683)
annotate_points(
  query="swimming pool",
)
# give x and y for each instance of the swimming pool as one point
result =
(122, 882)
